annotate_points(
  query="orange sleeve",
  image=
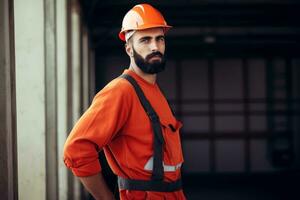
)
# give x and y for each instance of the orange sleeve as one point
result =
(96, 128)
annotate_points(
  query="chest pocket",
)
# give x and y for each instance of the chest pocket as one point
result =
(172, 149)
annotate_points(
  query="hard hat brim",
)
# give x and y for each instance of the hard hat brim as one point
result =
(122, 32)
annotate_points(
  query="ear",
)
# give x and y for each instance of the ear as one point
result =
(128, 49)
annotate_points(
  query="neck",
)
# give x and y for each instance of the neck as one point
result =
(150, 78)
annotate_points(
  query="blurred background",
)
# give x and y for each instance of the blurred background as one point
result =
(232, 78)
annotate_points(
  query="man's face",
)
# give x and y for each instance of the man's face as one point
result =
(148, 48)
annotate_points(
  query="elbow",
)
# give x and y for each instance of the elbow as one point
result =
(67, 156)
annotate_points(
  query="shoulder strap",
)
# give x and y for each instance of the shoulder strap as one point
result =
(168, 102)
(158, 172)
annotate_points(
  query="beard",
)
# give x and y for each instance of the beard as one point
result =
(148, 67)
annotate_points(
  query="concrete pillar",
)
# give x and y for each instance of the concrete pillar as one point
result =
(92, 73)
(36, 94)
(31, 98)
(62, 76)
(85, 69)
(50, 85)
(74, 83)
(8, 147)
(51, 99)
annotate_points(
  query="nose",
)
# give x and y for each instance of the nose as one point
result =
(154, 46)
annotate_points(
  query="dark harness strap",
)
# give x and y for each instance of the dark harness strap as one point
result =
(158, 171)
(156, 183)
(157, 186)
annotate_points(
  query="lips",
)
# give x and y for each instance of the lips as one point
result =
(157, 56)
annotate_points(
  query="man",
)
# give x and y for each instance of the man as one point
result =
(130, 119)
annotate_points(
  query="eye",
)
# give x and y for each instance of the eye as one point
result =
(145, 40)
(161, 39)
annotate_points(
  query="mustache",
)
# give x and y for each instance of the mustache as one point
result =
(156, 53)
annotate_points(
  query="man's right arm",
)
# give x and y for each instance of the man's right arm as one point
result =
(92, 132)
(97, 187)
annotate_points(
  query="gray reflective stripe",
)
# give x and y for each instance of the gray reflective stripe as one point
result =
(167, 168)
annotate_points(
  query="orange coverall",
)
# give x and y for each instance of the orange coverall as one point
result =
(117, 123)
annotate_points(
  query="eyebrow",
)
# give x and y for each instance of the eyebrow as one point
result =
(148, 37)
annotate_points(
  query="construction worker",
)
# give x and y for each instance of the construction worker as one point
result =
(131, 120)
